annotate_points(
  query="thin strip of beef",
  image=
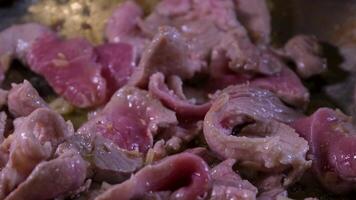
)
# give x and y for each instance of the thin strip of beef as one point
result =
(185, 175)
(118, 63)
(107, 161)
(15, 43)
(332, 147)
(176, 100)
(206, 25)
(111, 163)
(123, 26)
(23, 99)
(285, 84)
(254, 15)
(305, 51)
(54, 178)
(227, 184)
(130, 119)
(34, 140)
(248, 124)
(167, 53)
(70, 68)
(209, 25)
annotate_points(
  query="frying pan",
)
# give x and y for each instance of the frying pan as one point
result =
(332, 21)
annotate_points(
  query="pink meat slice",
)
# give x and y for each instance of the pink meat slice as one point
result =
(175, 101)
(123, 26)
(305, 51)
(167, 53)
(34, 140)
(16, 41)
(130, 119)
(248, 124)
(23, 99)
(332, 140)
(206, 25)
(185, 175)
(70, 67)
(50, 179)
(255, 16)
(118, 63)
(286, 85)
(227, 184)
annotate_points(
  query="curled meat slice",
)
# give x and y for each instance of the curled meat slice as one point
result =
(168, 53)
(34, 140)
(305, 51)
(332, 141)
(16, 41)
(184, 174)
(123, 26)
(118, 63)
(227, 184)
(286, 85)
(107, 161)
(62, 61)
(254, 15)
(175, 99)
(130, 118)
(262, 141)
(53, 178)
(23, 99)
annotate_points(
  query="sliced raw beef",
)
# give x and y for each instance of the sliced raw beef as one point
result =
(185, 176)
(16, 41)
(23, 99)
(34, 140)
(130, 119)
(247, 124)
(167, 53)
(70, 67)
(254, 15)
(123, 26)
(54, 178)
(227, 184)
(118, 63)
(206, 25)
(305, 51)
(332, 141)
(174, 98)
(287, 86)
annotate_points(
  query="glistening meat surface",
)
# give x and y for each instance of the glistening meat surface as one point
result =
(332, 145)
(61, 61)
(186, 99)
(248, 124)
(130, 119)
(16, 42)
(34, 140)
(227, 184)
(185, 175)
(23, 99)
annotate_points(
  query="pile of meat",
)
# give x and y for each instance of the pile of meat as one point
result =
(189, 102)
